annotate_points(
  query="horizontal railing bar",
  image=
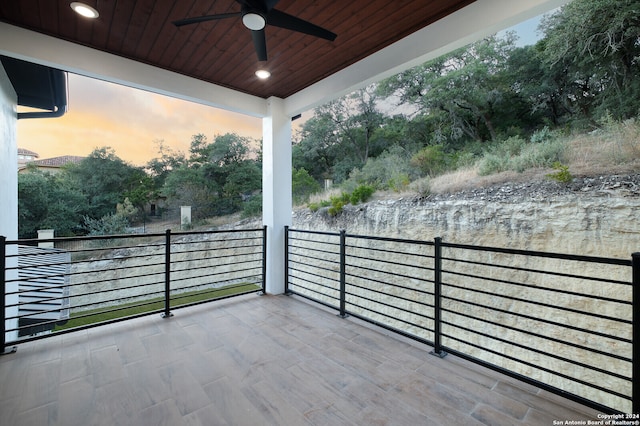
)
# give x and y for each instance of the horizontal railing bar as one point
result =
(393, 329)
(540, 351)
(335, 234)
(554, 290)
(252, 252)
(311, 282)
(409, 277)
(539, 271)
(312, 249)
(304, 256)
(530, 253)
(384, 250)
(389, 262)
(392, 285)
(314, 274)
(93, 271)
(78, 262)
(542, 336)
(313, 291)
(214, 274)
(546, 305)
(421, 327)
(378, 302)
(547, 370)
(213, 245)
(177, 296)
(542, 320)
(305, 296)
(217, 265)
(525, 379)
(391, 239)
(58, 287)
(80, 315)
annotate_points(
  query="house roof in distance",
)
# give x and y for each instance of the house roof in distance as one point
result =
(58, 161)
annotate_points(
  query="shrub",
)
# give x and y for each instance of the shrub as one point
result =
(430, 160)
(562, 175)
(361, 194)
(252, 207)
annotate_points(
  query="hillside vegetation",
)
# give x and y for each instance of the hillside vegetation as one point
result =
(491, 111)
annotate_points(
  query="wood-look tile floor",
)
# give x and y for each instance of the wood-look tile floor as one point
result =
(271, 360)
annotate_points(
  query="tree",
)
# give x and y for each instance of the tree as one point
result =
(595, 45)
(303, 185)
(47, 202)
(104, 180)
(216, 177)
(461, 93)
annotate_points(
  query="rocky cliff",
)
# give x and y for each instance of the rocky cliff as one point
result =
(595, 215)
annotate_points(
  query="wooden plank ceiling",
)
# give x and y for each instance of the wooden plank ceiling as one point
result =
(221, 51)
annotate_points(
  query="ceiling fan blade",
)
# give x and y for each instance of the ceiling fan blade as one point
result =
(260, 43)
(270, 4)
(199, 19)
(290, 22)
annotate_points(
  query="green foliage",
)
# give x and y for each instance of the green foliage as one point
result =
(361, 194)
(430, 160)
(216, 176)
(111, 224)
(518, 155)
(314, 207)
(303, 185)
(562, 175)
(390, 170)
(252, 207)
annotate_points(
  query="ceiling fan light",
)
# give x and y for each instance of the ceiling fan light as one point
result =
(254, 21)
(84, 10)
(263, 74)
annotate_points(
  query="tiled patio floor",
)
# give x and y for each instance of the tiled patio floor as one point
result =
(271, 360)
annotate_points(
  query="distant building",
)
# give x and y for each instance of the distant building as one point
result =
(25, 156)
(52, 165)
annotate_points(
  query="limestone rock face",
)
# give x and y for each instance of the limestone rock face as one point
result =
(575, 224)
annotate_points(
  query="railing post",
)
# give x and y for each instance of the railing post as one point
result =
(437, 299)
(167, 275)
(264, 261)
(286, 261)
(635, 369)
(343, 274)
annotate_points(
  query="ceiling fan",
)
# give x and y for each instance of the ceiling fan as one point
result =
(256, 14)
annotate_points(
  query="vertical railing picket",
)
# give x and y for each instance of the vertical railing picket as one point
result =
(286, 260)
(343, 274)
(437, 302)
(264, 260)
(635, 369)
(167, 275)
(3, 291)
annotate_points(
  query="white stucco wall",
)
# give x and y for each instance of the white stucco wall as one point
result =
(9, 186)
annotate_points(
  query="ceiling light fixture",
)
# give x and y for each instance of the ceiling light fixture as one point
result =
(254, 21)
(263, 74)
(84, 10)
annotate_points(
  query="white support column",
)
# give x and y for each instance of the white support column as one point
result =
(9, 194)
(276, 189)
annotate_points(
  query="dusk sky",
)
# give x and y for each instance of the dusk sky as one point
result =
(127, 120)
(131, 121)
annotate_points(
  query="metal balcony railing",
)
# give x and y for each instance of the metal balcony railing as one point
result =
(66, 284)
(563, 323)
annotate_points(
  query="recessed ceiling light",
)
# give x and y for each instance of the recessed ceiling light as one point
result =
(263, 74)
(84, 10)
